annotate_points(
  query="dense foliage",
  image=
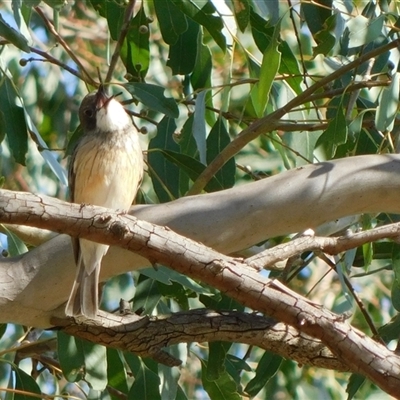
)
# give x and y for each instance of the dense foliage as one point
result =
(228, 91)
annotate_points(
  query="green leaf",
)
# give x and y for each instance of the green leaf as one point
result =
(171, 19)
(388, 104)
(15, 125)
(199, 126)
(152, 96)
(335, 134)
(216, 359)
(355, 382)
(25, 383)
(395, 292)
(316, 14)
(116, 372)
(135, 51)
(166, 276)
(267, 367)
(217, 140)
(13, 36)
(290, 67)
(202, 12)
(222, 388)
(241, 9)
(15, 245)
(71, 357)
(201, 76)
(193, 168)
(269, 68)
(95, 365)
(147, 383)
(182, 54)
(163, 173)
(364, 30)
(113, 12)
(147, 295)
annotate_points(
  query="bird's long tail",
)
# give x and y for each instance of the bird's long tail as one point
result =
(85, 293)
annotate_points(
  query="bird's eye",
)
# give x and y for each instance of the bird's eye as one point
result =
(88, 112)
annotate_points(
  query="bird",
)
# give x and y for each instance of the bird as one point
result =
(106, 169)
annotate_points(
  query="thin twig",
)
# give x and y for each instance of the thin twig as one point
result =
(64, 44)
(124, 31)
(270, 122)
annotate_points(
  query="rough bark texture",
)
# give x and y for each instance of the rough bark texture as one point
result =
(229, 221)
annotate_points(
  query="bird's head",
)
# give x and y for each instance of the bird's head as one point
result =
(103, 113)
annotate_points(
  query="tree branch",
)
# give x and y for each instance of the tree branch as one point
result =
(231, 276)
(141, 335)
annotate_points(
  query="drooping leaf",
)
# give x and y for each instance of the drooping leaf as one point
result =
(335, 134)
(182, 54)
(222, 388)
(152, 96)
(25, 384)
(171, 19)
(71, 357)
(114, 14)
(388, 105)
(192, 168)
(147, 295)
(216, 359)
(269, 68)
(147, 383)
(95, 365)
(135, 51)
(163, 173)
(217, 140)
(241, 10)
(116, 371)
(355, 382)
(199, 126)
(267, 367)
(316, 13)
(201, 76)
(203, 13)
(15, 245)
(15, 125)
(13, 36)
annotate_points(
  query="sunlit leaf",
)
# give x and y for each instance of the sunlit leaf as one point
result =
(388, 105)
(113, 12)
(269, 68)
(95, 365)
(15, 246)
(364, 30)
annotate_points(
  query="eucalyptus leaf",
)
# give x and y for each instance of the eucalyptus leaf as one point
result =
(13, 36)
(152, 96)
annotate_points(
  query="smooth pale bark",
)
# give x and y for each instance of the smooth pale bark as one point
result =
(36, 284)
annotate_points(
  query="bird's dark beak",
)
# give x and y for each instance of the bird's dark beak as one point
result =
(101, 97)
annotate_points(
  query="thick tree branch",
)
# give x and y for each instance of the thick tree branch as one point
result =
(147, 336)
(232, 276)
